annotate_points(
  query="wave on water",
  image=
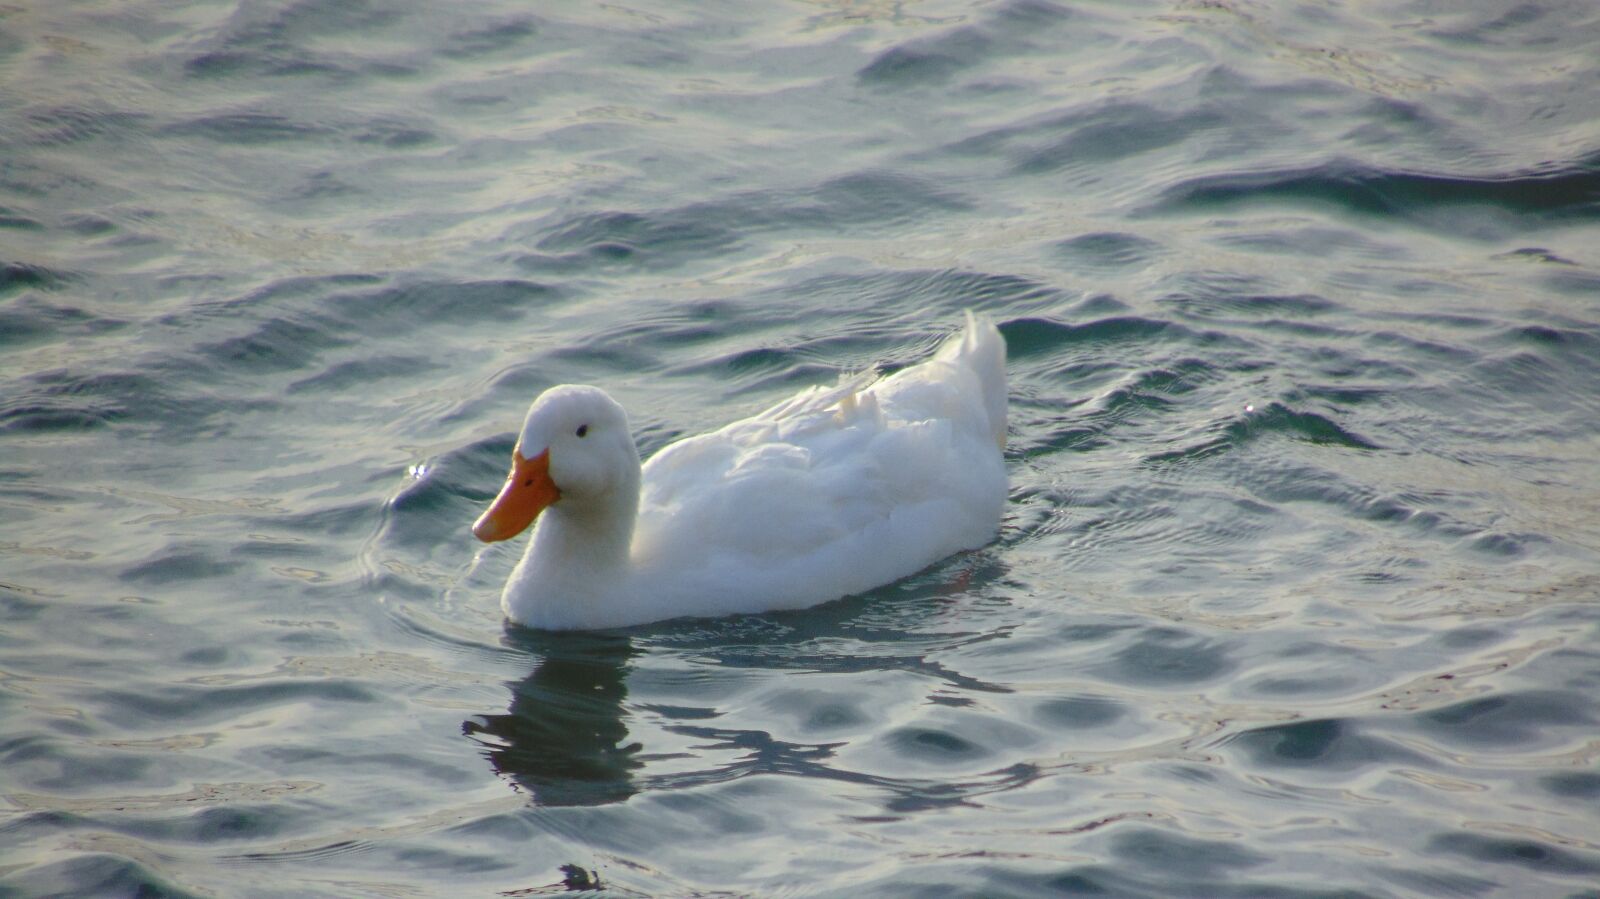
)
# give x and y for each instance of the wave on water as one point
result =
(1552, 192)
(1294, 594)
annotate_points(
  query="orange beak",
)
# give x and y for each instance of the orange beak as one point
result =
(527, 491)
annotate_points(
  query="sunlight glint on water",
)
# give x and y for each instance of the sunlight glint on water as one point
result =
(1295, 594)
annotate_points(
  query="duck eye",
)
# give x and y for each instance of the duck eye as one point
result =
(583, 430)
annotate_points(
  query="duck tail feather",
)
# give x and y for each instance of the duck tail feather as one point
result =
(981, 348)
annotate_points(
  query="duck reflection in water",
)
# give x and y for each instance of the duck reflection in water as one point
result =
(563, 741)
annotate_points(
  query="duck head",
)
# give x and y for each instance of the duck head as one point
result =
(575, 449)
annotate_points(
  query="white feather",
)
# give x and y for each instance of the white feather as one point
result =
(829, 493)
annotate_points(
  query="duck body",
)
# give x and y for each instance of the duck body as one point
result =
(830, 493)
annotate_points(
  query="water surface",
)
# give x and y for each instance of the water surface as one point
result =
(1295, 594)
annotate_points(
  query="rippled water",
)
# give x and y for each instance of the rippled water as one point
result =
(1296, 593)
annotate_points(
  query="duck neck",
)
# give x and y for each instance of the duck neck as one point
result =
(578, 559)
(586, 543)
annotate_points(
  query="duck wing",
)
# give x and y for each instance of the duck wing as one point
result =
(833, 491)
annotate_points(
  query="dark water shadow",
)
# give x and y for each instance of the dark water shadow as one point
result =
(899, 626)
(563, 740)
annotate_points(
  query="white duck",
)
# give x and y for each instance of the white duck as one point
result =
(832, 492)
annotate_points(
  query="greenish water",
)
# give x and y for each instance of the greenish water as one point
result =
(1298, 589)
